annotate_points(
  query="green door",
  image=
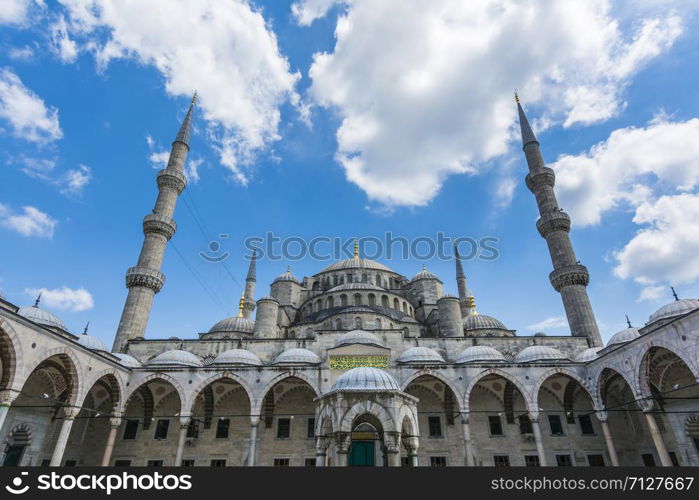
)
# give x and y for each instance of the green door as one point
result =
(361, 454)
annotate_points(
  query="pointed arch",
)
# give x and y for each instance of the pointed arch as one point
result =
(446, 381)
(163, 377)
(257, 407)
(584, 384)
(215, 378)
(529, 401)
(10, 352)
(367, 407)
(72, 368)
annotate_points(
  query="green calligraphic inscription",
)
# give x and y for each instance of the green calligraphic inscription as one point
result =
(349, 362)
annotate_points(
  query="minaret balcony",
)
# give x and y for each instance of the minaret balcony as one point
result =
(569, 275)
(146, 277)
(553, 221)
(169, 177)
(542, 177)
(159, 224)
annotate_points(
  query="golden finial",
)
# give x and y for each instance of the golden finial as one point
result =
(241, 305)
(516, 96)
(472, 304)
(288, 269)
(356, 248)
(195, 97)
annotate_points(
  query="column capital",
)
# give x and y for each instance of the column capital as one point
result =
(602, 415)
(115, 421)
(7, 397)
(464, 417)
(70, 412)
(185, 420)
(254, 420)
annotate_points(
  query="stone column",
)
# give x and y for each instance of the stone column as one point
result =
(69, 415)
(321, 451)
(392, 442)
(254, 422)
(184, 425)
(114, 424)
(603, 420)
(468, 444)
(665, 460)
(342, 443)
(537, 438)
(6, 399)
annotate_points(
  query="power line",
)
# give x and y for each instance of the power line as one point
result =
(206, 288)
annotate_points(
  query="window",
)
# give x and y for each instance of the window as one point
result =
(556, 425)
(311, 428)
(673, 458)
(188, 463)
(71, 463)
(122, 463)
(525, 425)
(310, 462)
(531, 460)
(283, 428)
(435, 426)
(438, 461)
(564, 461)
(281, 462)
(218, 462)
(154, 463)
(405, 462)
(595, 460)
(495, 425)
(501, 461)
(130, 429)
(193, 429)
(222, 427)
(46, 462)
(586, 425)
(648, 459)
(161, 429)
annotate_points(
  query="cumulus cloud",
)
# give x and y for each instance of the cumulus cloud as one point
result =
(75, 180)
(14, 11)
(25, 53)
(26, 112)
(71, 182)
(64, 298)
(225, 49)
(423, 90)
(552, 323)
(29, 222)
(60, 43)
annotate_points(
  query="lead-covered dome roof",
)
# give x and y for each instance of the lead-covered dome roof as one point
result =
(286, 276)
(41, 316)
(234, 324)
(539, 353)
(355, 286)
(624, 336)
(675, 308)
(419, 354)
(365, 379)
(477, 321)
(479, 353)
(297, 356)
(176, 357)
(92, 343)
(237, 357)
(358, 337)
(356, 263)
(127, 360)
(424, 274)
(587, 355)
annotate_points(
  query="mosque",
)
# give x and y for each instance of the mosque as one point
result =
(356, 365)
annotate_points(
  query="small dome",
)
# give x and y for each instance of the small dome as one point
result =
(358, 337)
(539, 353)
(41, 316)
(365, 379)
(237, 357)
(235, 324)
(675, 308)
(587, 355)
(92, 343)
(475, 321)
(540, 334)
(624, 336)
(297, 356)
(479, 353)
(286, 276)
(176, 357)
(419, 355)
(425, 275)
(356, 263)
(127, 360)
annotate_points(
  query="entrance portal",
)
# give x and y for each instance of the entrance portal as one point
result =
(362, 452)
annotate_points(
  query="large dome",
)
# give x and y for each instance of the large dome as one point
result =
(365, 379)
(539, 353)
(237, 357)
(127, 360)
(674, 308)
(476, 321)
(479, 353)
(624, 336)
(297, 356)
(176, 357)
(235, 324)
(356, 263)
(355, 286)
(41, 316)
(358, 337)
(419, 355)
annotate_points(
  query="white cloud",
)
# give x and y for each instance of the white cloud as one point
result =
(25, 53)
(61, 44)
(71, 182)
(26, 111)
(552, 323)
(225, 49)
(30, 222)
(424, 89)
(64, 298)
(191, 169)
(75, 180)
(14, 11)
(652, 292)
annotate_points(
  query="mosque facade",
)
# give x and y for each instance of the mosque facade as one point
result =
(356, 365)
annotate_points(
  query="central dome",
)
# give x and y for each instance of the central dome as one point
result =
(365, 379)
(235, 324)
(356, 263)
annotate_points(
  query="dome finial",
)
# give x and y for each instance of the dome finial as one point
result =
(674, 293)
(356, 248)
(87, 325)
(424, 267)
(628, 321)
(241, 305)
(288, 269)
(38, 299)
(472, 304)
(516, 97)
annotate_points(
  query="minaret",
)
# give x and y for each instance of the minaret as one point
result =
(569, 277)
(145, 279)
(250, 280)
(461, 282)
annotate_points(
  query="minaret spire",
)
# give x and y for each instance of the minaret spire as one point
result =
(461, 282)
(569, 277)
(356, 248)
(145, 279)
(250, 280)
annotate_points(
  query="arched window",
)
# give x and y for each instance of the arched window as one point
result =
(316, 285)
(384, 301)
(365, 278)
(357, 299)
(319, 305)
(378, 279)
(410, 308)
(349, 278)
(405, 308)
(343, 300)
(335, 280)
(378, 324)
(331, 302)
(338, 324)
(358, 322)
(372, 299)
(396, 304)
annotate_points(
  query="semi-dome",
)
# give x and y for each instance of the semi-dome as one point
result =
(358, 337)
(425, 275)
(674, 308)
(476, 321)
(624, 336)
(587, 355)
(286, 276)
(235, 324)
(365, 379)
(127, 360)
(237, 357)
(479, 353)
(356, 263)
(176, 357)
(92, 343)
(41, 316)
(297, 356)
(539, 353)
(419, 354)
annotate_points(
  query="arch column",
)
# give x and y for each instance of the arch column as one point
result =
(342, 442)
(534, 417)
(252, 449)
(603, 418)
(468, 442)
(69, 415)
(392, 443)
(658, 441)
(322, 444)
(114, 424)
(6, 399)
(184, 425)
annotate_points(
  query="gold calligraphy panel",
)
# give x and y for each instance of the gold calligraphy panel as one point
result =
(349, 362)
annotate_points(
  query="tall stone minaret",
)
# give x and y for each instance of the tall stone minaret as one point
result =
(569, 277)
(250, 279)
(461, 283)
(145, 279)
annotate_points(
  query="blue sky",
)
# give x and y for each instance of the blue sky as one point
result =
(346, 119)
